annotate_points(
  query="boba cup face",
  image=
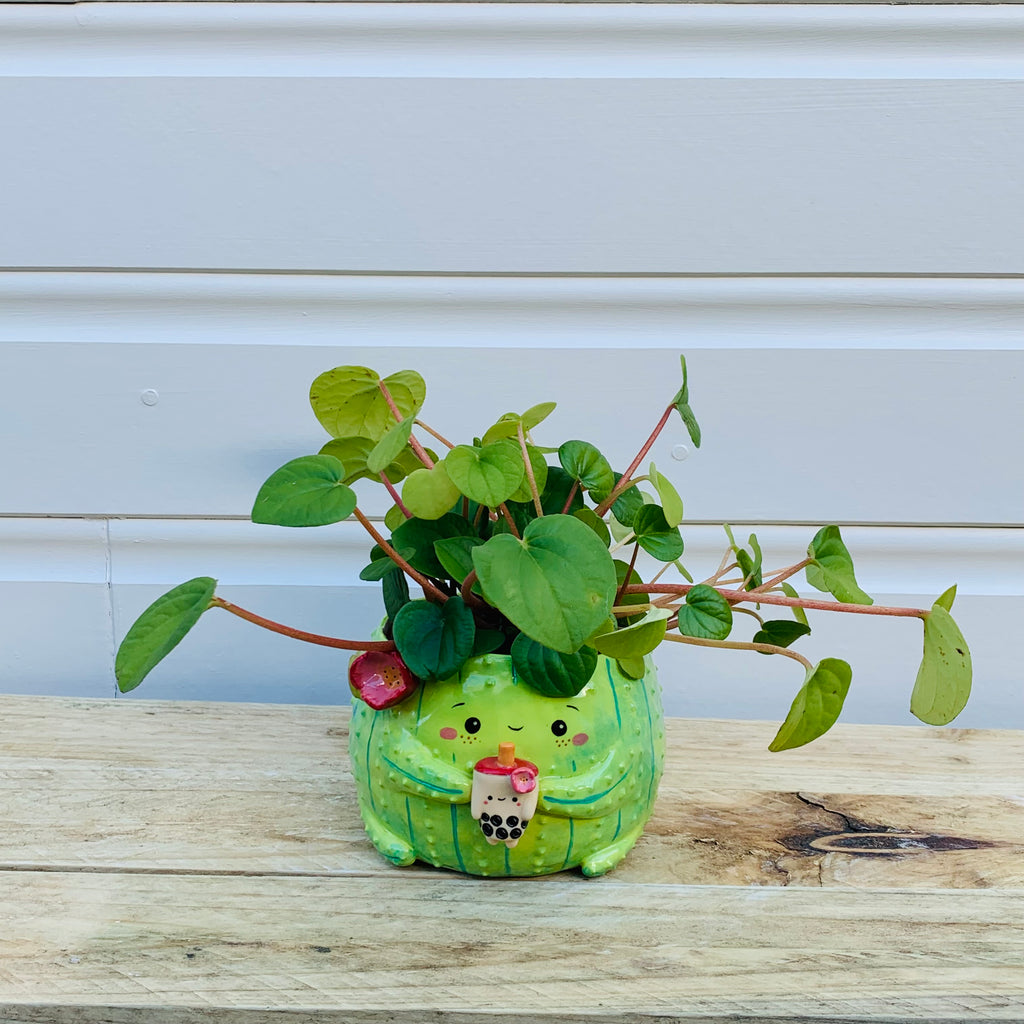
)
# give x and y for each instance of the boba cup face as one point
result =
(503, 813)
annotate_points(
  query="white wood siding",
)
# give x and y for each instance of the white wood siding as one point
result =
(822, 206)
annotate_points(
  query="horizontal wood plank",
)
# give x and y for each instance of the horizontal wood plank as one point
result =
(462, 951)
(249, 789)
(166, 862)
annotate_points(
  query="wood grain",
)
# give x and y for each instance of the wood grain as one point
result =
(444, 948)
(178, 862)
(190, 787)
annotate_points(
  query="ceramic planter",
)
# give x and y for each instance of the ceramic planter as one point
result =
(482, 774)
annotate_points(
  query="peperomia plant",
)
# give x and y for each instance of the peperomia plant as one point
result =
(532, 551)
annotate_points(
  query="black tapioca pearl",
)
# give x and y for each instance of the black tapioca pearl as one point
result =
(524, 823)
(501, 833)
(495, 819)
(486, 828)
(485, 817)
(511, 821)
(515, 833)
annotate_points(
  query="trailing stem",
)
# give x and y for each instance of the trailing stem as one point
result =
(529, 472)
(420, 451)
(428, 588)
(503, 510)
(629, 573)
(433, 433)
(738, 596)
(396, 497)
(466, 590)
(300, 634)
(740, 645)
(624, 480)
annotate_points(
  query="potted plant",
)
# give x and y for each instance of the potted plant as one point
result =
(507, 718)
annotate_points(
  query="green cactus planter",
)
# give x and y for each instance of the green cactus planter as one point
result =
(599, 756)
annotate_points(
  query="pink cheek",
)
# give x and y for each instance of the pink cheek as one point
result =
(448, 733)
(579, 739)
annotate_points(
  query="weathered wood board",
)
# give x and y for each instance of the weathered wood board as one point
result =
(197, 862)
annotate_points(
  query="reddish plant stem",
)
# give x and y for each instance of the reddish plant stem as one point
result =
(529, 472)
(395, 495)
(433, 433)
(466, 590)
(738, 596)
(629, 572)
(428, 588)
(503, 509)
(782, 575)
(299, 634)
(397, 413)
(631, 469)
(738, 645)
(572, 494)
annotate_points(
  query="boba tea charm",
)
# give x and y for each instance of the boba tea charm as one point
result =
(504, 795)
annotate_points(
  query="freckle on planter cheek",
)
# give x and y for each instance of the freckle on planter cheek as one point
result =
(579, 739)
(448, 733)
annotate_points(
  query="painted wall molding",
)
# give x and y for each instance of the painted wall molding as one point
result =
(528, 311)
(496, 40)
(122, 552)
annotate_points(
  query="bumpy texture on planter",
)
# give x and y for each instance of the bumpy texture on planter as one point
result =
(600, 756)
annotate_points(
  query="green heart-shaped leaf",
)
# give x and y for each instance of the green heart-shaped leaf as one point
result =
(556, 493)
(540, 475)
(552, 673)
(706, 615)
(598, 525)
(429, 493)
(944, 679)
(390, 446)
(637, 640)
(627, 504)
(415, 539)
(353, 453)
(348, 400)
(434, 640)
(780, 633)
(655, 536)
(671, 503)
(682, 404)
(798, 613)
(508, 425)
(816, 707)
(456, 556)
(308, 491)
(832, 569)
(395, 589)
(159, 629)
(583, 462)
(557, 584)
(489, 475)
(621, 571)
(632, 668)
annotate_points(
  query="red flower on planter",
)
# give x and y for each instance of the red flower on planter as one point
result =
(381, 680)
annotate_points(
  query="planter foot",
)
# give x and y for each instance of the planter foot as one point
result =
(603, 861)
(390, 846)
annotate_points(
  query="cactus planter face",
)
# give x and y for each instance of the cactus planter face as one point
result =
(599, 756)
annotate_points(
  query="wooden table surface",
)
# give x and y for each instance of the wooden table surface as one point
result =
(181, 862)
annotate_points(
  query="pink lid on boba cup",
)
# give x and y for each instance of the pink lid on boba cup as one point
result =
(522, 775)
